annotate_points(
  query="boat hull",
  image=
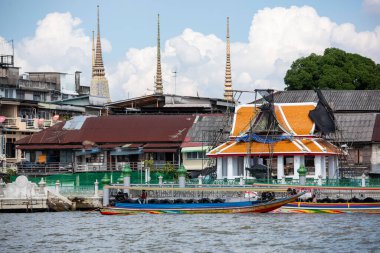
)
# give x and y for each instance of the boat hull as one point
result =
(333, 208)
(207, 208)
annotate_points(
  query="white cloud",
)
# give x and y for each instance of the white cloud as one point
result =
(277, 37)
(372, 6)
(59, 44)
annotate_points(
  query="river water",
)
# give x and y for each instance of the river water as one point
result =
(92, 232)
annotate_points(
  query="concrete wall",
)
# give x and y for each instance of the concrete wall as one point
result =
(375, 158)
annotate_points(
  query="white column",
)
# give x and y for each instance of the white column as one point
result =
(318, 166)
(302, 161)
(182, 181)
(280, 167)
(127, 182)
(200, 178)
(230, 167)
(297, 164)
(332, 167)
(96, 188)
(160, 180)
(57, 185)
(246, 164)
(323, 166)
(106, 196)
(363, 180)
(219, 164)
(235, 167)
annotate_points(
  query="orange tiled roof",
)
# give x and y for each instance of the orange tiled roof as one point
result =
(297, 117)
(243, 117)
(293, 118)
(296, 146)
(220, 147)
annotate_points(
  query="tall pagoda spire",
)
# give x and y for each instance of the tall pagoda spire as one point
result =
(99, 83)
(93, 53)
(99, 67)
(158, 82)
(228, 80)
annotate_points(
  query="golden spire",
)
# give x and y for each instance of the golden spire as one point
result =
(98, 66)
(99, 83)
(228, 95)
(158, 82)
(93, 53)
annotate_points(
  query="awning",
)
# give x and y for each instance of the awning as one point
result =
(42, 147)
(127, 152)
(160, 150)
(161, 145)
(196, 149)
(87, 152)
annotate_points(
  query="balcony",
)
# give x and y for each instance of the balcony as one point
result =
(23, 124)
(35, 85)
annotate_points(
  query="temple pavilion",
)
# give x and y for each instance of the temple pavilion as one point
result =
(274, 141)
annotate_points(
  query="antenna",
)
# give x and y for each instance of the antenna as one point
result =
(175, 80)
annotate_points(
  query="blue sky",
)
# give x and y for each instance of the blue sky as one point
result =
(188, 28)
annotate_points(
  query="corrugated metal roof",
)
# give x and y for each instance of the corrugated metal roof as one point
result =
(354, 127)
(376, 129)
(339, 100)
(206, 127)
(118, 129)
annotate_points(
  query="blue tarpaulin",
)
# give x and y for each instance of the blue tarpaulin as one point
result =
(261, 139)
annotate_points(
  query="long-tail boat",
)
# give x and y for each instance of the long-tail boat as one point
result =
(199, 208)
(334, 208)
(368, 203)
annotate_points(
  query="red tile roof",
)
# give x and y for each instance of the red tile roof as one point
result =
(118, 129)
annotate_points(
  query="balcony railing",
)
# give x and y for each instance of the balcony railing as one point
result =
(28, 84)
(11, 123)
(24, 123)
(30, 168)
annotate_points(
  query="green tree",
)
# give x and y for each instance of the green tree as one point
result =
(335, 69)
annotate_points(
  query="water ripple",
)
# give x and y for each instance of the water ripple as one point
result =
(92, 232)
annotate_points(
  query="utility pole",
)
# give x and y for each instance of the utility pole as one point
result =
(175, 81)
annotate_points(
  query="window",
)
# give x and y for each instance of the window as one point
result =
(309, 164)
(196, 155)
(36, 96)
(9, 93)
(39, 96)
(95, 158)
(20, 94)
(10, 149)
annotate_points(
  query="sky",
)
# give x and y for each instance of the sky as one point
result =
(266, 37)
